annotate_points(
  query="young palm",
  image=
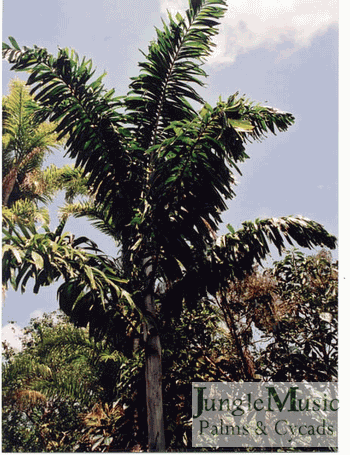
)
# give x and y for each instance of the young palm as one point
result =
(160, 172)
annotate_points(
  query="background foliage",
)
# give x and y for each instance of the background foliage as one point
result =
(67, 392)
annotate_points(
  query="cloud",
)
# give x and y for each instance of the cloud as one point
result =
(12, 333)
(173, 6)
(36, 314)
(265, 23)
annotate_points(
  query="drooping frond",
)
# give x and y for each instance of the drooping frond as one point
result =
(71, 180)
(91, 289)
(94, 213)
(253, 121)
(240, 249)
(86, 114)
(234, 254)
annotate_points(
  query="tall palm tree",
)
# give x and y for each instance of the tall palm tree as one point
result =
(160, 172)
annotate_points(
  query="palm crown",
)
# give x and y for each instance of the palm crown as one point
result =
(159, 170)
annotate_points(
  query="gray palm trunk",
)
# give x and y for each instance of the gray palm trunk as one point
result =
(153, 369)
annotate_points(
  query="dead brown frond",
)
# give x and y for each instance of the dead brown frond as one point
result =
(259, 301)
(28, 398)
(102, 414)
(33, 182)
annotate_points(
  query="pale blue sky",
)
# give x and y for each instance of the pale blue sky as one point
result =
(284, 54)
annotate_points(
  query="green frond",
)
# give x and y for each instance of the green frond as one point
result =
(160, 94)
(25, 211)
(253, 121)
(73, 182)
(91, 291)
(68, 178)
(76, 209)
(26, 142)
(85, 113)
(235, 254)
(22, 132)
(239, 250)
(193, 174)
(93, 212)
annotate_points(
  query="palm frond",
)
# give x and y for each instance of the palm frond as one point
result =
(22, 131)
(26, 142)
(193, 174)
(25, 211)
(86, 114)
(241, 249)
(91, 287)
(235, 254)
(93, 212)
(160, 94)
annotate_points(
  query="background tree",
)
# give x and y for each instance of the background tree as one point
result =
(283, 321)
(160, 173)
(25, 143)
(306, 333)
(28, 186)
(66, 392)
(45, 387)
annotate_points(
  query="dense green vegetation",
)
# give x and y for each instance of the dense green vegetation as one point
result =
(66, 392)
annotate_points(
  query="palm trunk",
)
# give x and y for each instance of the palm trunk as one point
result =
(153, 352)
(8, 184)
(9, 180)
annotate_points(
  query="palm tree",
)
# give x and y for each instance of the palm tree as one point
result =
(160, 172)
(26, 142)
